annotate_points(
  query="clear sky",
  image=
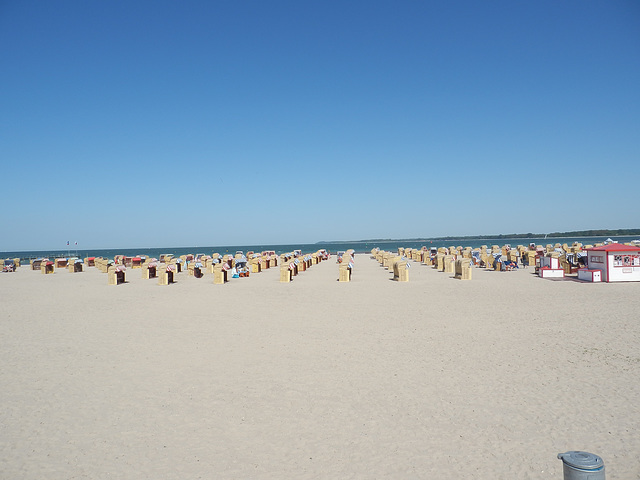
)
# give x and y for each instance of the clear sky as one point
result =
(165, 123)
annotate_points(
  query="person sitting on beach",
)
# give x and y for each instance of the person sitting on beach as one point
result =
(9, 267)
(509, 265)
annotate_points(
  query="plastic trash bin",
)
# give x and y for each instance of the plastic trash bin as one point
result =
(582, 466)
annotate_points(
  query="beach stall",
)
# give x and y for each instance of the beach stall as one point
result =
(549, 266)
(401, 270)
(166, 257)
(136, 262)
(167, 274)
(241, 267)
(197, 269)
(529, 258)
(589, 275)
(254, 263)
(286, 273)
(102, 264)
(463, 269)
(61, 262)
(116, 274)
(549, 261)
(149, 269)
(46, 266)
(268, 256)
(547, 272)
(617, 262)
(220, 275)
(75, 265)
(344, 271)
(301, 263)
(449, 264)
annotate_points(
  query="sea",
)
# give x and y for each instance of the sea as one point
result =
(332, 247)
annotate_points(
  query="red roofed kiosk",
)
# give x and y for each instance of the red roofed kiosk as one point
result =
(617, 262)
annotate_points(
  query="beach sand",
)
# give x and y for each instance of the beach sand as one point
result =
(436, 378)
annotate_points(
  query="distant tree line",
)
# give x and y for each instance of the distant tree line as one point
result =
(597, 233)
(576, 233)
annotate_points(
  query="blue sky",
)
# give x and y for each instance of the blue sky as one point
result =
(142, 124)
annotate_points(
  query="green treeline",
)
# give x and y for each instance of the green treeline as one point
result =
(597, 233)
(577, 233)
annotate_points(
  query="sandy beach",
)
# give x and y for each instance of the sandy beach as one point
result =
(433, 379)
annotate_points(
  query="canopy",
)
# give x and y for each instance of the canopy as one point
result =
(614, 247)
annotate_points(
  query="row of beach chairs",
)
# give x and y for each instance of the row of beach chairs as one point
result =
(295, 262)
(398, 263)
(221, 267)
(460, 260)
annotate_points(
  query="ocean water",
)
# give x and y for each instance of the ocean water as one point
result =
(333, 247)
